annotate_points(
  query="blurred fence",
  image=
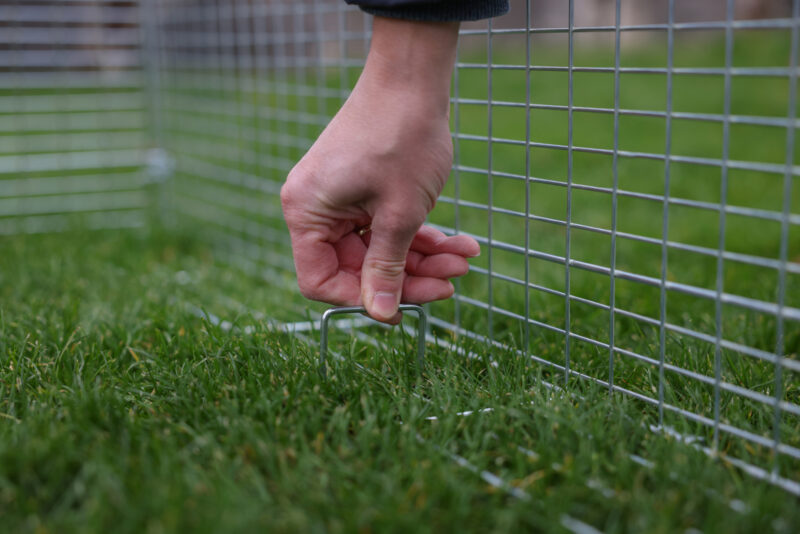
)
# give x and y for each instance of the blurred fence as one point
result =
(72, 115)
(632, 182)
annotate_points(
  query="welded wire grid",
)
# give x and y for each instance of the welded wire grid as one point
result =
(711, 377)
(72, 115)
(636, 199)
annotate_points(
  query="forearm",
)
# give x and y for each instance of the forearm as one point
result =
(412, 61)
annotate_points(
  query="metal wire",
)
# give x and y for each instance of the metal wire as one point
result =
(784, 246)
(570, 164)
(324, 322)
(489, 184)
(614, 200)
(720, 283)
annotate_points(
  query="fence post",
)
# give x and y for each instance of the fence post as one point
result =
(158, 164)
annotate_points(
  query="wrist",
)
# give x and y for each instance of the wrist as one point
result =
(412, 60)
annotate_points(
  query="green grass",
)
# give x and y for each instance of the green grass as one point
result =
(122, 409)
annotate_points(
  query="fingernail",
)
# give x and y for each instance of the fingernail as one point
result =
(384, 304)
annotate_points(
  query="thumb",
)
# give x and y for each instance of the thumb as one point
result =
(383, 270)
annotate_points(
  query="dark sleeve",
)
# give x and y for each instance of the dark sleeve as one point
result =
(434, 10)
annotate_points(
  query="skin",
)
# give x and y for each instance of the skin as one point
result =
(382, 161)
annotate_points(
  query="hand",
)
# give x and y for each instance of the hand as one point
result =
(382, 161)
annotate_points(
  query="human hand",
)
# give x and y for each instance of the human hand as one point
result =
(382, 161)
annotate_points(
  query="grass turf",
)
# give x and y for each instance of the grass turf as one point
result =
(121, 408)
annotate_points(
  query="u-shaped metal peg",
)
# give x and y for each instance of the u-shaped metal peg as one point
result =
(422, 322)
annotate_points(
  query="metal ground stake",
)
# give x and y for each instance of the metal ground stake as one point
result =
(323, 331)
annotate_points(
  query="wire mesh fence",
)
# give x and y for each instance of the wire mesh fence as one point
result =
(628, 171)
(72, 101)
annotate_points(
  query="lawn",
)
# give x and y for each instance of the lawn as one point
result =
(125, 408)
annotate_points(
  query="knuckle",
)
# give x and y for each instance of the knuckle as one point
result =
(387, 269)
(402, 223)
(307, 289)
(287, 195)
(292, 188)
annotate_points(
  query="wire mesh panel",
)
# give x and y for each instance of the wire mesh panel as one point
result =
(72, 121)
(630, 175)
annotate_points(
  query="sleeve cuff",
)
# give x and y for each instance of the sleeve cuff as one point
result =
(441, 11)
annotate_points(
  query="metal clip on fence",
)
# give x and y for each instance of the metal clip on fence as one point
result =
(422, 322)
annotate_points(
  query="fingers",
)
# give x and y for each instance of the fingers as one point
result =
(421, 289)
(431, 241)
(332, 272)
(319, 275)
(350, 251)
(433, 258)
(383, 271)
(436, 266)
(344, 273)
